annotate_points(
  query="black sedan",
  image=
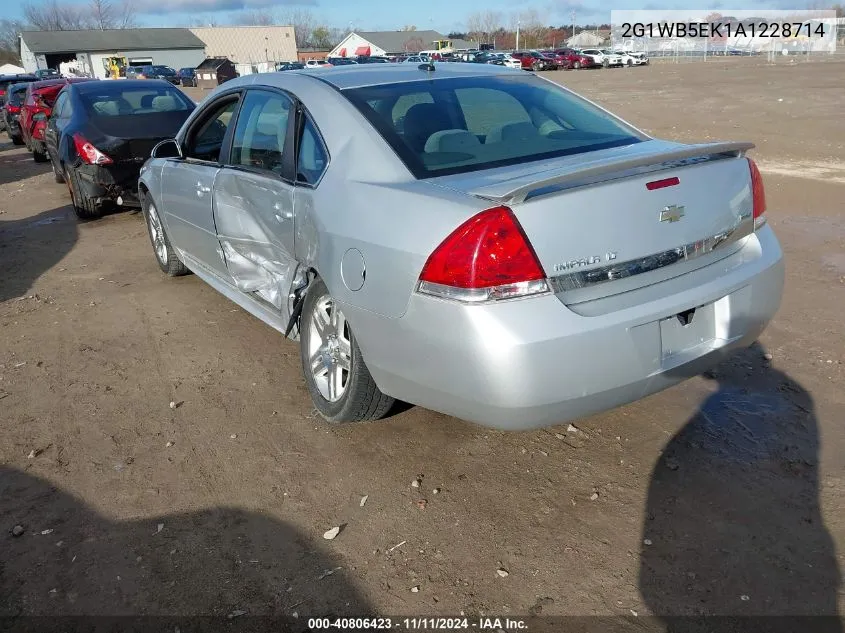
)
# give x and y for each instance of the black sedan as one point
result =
(161, 72)
(100, 133)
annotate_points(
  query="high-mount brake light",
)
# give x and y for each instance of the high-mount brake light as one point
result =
(487, 258)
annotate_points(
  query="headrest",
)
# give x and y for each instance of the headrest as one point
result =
(452, 141)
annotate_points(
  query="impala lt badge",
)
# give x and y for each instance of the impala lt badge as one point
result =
(672, 213)
(609, 256)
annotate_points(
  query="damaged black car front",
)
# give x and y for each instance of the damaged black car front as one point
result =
(100, 134)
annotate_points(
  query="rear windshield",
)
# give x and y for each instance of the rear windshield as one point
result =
(16, 94)
(116, 101)
(458, 125)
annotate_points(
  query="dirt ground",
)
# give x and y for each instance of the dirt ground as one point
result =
(723, 495)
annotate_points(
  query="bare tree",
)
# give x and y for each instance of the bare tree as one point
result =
(10, 49)
(52, 15)
(321, 37)
(409, 27)
(474, 26)
(491, 22)
(531, 28)
(302, 21)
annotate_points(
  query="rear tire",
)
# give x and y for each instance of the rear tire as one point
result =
(630, 63)
(337, 378)
(84, 207)
(39, 157)
(57, 174)
(576, 66)
(163, 250)
(16, 140)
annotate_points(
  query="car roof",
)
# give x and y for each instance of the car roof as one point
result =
(359, 75)
(92, 86)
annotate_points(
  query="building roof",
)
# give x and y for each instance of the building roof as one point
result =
(248, 44)
(394, 41)
(110, 40)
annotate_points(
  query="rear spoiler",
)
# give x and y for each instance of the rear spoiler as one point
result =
(519, 189)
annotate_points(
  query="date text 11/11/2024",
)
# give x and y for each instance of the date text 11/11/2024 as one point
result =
(418, 624)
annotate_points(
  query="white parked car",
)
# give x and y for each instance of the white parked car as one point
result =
(415, 59)
(603, 57)
(512, 62)
(632, 59)
(317, 63)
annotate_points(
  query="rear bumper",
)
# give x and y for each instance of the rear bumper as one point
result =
(531, 363)
(110, 183)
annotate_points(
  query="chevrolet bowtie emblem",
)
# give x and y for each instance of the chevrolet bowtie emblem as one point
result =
(672, 213)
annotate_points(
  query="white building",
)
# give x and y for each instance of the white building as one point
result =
(177, 48)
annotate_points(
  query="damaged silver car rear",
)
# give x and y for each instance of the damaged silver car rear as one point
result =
(465, 237)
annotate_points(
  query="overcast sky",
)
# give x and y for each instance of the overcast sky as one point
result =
(440, 15)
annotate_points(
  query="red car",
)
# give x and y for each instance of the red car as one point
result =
(36, 109)
(576, 59)
(532, 60)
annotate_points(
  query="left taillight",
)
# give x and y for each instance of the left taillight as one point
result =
(758, 194)
(88, 153)
(487, 258)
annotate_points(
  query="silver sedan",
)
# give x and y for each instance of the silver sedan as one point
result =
(465, 237)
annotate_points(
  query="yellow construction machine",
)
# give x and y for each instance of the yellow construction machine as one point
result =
(115, 66)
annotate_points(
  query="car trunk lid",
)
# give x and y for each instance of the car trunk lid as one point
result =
(131, 139)
(612, 221)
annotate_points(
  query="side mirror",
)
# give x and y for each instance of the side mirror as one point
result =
(167, 149)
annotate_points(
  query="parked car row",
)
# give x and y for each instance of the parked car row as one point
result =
(96, 134)
(533, 60)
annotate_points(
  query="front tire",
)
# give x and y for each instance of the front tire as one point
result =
(337, 378)
(164, 252)
(39, 157)
(605, 64)
(576, 66)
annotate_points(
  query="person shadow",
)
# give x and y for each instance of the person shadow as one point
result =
(215, 569)
(733, 525)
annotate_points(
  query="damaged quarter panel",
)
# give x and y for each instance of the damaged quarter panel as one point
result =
(367, 201)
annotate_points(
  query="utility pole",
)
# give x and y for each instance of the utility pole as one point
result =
(517, 35)
(573, 24)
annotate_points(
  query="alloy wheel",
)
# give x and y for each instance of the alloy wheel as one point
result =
(157, 233)
(330, 349)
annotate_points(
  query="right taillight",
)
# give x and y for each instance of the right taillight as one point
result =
(758, 195)
(487, 258)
